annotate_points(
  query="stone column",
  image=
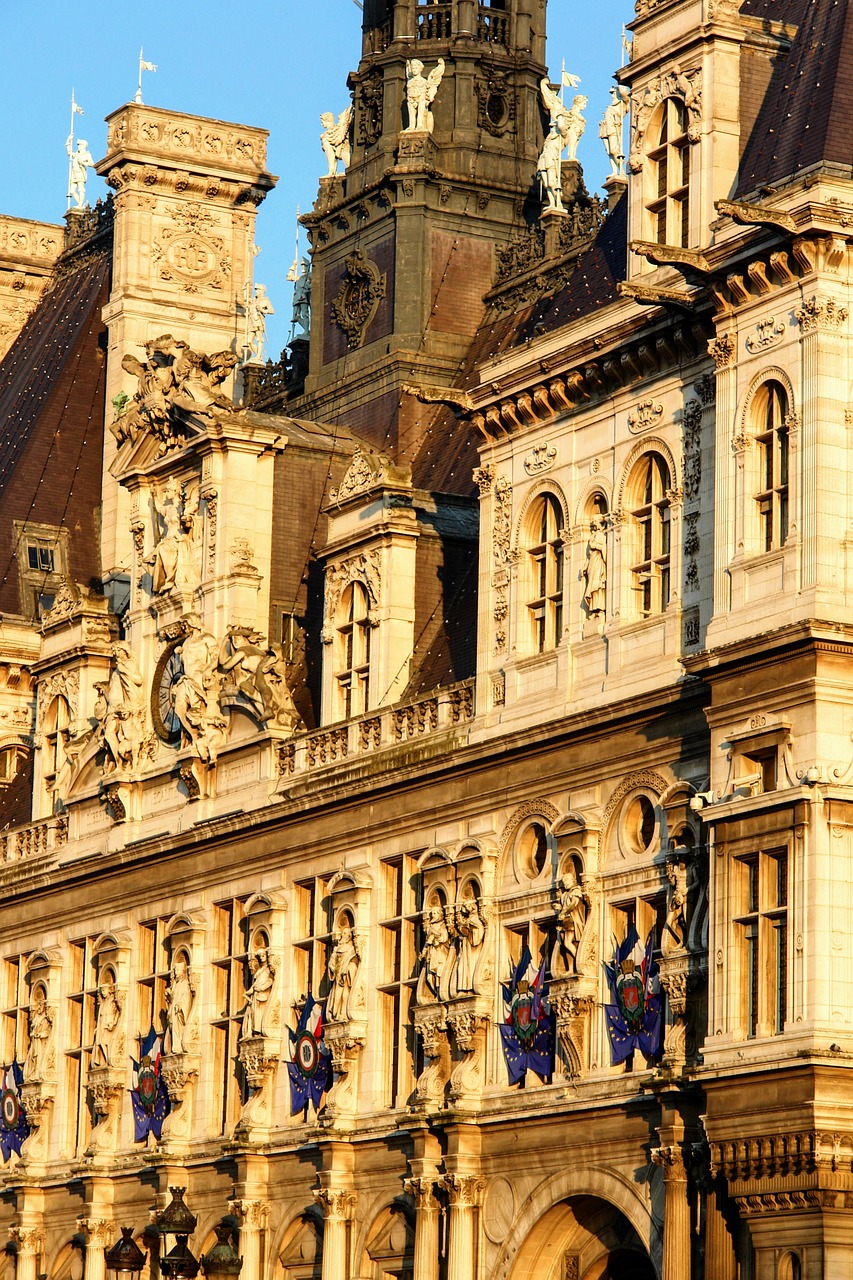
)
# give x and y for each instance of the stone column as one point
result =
(337, 1206)
(252, 1216)
(464, 1191)
(720, 1261)
(422, 1191)
(676, 1213)
(99, 1236)
(30, 1242)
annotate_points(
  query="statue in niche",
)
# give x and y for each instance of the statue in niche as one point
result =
(301, 296)
(470, 932)
(572, 915)
(435, 955)
(196, 693)
(107, 1022)
(80, 161)
(420, 94)
(174, 563)
(611, 129)
(674, 937)
(40, 1032)
(335, 139)
(257, 307)
(344, 964)
(120, 711)
(595, 569)
(260, 672)
(180, 995)
(549, 164)
(258, 993)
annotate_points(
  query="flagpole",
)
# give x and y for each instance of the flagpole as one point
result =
(70, 149)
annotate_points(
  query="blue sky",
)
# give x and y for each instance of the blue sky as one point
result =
(273, 65)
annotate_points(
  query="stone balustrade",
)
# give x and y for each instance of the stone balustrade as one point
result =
(33, 839)
(384, 727)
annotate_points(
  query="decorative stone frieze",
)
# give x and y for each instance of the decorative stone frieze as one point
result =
(685, 85)
(820, 313)
(362, 289)
(646, 415)
(766, 335)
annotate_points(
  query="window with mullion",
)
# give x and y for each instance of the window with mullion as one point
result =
(770, 416)
(651, 570)
(546, 559)
(668, 190)
(397, 982)
(353, 645)
(763, 928)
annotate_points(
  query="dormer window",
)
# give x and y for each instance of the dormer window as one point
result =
(352, 666)
(668, 175)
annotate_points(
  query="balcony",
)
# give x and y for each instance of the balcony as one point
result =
(36, 838)
(492, 26)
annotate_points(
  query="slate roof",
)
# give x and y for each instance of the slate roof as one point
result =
(805, 120)
(34, 362)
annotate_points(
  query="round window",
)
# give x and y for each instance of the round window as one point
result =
(639, 824)
(533, 849)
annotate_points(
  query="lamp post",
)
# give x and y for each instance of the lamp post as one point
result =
(221, 1262)
(176, 1220)
(125, 1259)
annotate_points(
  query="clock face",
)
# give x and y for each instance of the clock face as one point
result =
(168, 672)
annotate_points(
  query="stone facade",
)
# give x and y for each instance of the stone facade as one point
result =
(518, 629)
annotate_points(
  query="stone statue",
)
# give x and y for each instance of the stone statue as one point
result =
(81, 160)
(40, 1032)
(554, 104)
(302, 298)
(173, 377)
(120, 710)
(180, 995)
(258, 994)
(196, 693)
(344, 964)
(470, 930)
(259, 671)
(420, 94)
(257, 307)
(548, 166)
(611, 130)
(595, 569)
(335, 139)
(674, 936)
(174, 563)
(575, 125)
(106, 1023)
(435, 956)
(571, 921)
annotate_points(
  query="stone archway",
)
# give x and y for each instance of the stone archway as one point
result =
(583, 1238)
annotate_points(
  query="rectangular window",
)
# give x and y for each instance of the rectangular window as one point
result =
(80, 1037)
(763, 890)
(230, 978)
(397, 981)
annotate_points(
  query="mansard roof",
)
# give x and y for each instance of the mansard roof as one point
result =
(804, 123)
(39, 356)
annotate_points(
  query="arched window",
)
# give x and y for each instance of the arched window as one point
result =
(352, 667)
(769, 420)
(668, 175)
(545, 551)
(649, 495)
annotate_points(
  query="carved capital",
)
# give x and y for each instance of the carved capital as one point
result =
(722, 350)
(464, 1191)
(671, 1160)
(250, 1213)
(422, 1191)
(259, 1057)
(820, 313)
(179, 1071)
(30, 1240)
(99, 1232)
(335, 1202)
(466, 1027)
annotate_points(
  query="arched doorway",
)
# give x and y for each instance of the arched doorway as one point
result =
(583, 1238)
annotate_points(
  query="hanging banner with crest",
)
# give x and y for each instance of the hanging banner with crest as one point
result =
(310, 1069)
(148, 1096)
(13, 1118)
(635, 1016)
(527, 1033)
